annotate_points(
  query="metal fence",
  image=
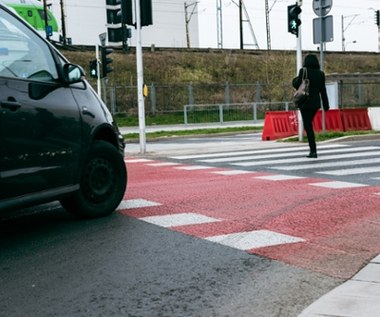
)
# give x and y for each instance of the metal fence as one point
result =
(164, 99)
(362, 94)
(230, 112)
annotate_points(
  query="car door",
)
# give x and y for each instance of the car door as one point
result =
(40, 126)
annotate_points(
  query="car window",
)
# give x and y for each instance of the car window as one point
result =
(22, 53)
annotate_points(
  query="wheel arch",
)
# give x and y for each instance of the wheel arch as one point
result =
(107, 134)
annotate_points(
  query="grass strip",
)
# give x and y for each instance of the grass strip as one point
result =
(186, 133)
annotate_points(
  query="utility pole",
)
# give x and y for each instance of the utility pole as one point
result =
(219, 23)
(187, 20)
(377, 22)
(241, 24)
(268, 24)
(46, 20)
(241, 9)
(63, 18)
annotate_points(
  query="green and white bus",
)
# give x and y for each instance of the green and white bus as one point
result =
(33, 12)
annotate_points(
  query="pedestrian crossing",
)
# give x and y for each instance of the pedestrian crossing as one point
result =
(343, 162)
(293, 215)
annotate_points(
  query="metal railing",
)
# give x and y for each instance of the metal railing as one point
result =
(171, 98)
(249, 111)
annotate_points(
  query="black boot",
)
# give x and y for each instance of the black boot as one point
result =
(312, 155)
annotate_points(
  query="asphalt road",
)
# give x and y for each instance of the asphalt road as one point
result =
(52, 264)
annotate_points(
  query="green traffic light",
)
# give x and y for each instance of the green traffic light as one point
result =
(293, 18)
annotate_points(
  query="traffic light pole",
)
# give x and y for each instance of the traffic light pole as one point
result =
(98, 72)
(140, 80)
(321, 58)
(299, 66)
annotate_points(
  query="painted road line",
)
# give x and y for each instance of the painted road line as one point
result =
(137, 203)
(352, 171)
(254, 239)
(304, 159)
(314, 165)
(159, 164)
(175, 220)
(286, 154)
(233, 172)
(137, 160)
(237, 153)
(194, 167)
(337, 184)
(279, 177)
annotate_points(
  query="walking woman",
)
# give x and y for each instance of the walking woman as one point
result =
(317, 91)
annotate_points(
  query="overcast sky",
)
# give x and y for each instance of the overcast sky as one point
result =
(360, 30)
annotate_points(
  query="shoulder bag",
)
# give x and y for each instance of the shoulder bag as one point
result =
(302, 93)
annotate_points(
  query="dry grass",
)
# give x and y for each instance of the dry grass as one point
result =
(216, 66)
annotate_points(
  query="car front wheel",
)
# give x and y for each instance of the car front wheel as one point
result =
(102, 184)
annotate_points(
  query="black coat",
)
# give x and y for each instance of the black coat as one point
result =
(317, 88)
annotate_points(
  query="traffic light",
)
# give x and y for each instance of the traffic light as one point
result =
(146, 12)
(119, 11)
(126, 12)
(293, 20)
(94, 68)
(113, 16)
(105, 60)
(377, 17)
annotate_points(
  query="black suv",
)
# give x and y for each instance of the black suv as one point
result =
(58, 141)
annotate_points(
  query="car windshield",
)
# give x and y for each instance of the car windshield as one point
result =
(22, 53)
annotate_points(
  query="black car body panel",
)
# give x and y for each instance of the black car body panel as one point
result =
(49, 119)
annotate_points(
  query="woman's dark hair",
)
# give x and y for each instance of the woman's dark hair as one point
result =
(311, 61)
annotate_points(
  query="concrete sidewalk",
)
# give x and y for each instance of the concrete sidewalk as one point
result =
(193, 126)
(357, 297)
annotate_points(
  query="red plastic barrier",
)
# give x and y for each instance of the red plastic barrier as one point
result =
(279, 124)
(333, 121)
(355, 119)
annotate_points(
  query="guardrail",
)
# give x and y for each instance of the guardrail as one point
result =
(250, 111)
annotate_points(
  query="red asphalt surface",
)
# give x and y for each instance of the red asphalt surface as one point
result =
(341, 227)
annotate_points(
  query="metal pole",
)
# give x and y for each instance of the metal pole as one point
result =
(343, 39)
(321, 57)
(241, 24)
(299, 66)
(269, 46)
(46, 20)
(98, 71)
(322, 35)
(219, 23)
(140, 80)
(63, 22)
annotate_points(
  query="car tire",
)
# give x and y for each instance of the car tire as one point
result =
(102, 184)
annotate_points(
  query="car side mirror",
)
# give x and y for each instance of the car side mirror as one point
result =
(72, 73)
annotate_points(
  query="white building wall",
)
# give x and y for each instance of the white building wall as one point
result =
(86, 19)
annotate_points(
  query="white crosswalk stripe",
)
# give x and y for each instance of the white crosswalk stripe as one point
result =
(334, 160)
(281, 155)
(266, 151)
(353, 171)
(328, 164)
(304, 159)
